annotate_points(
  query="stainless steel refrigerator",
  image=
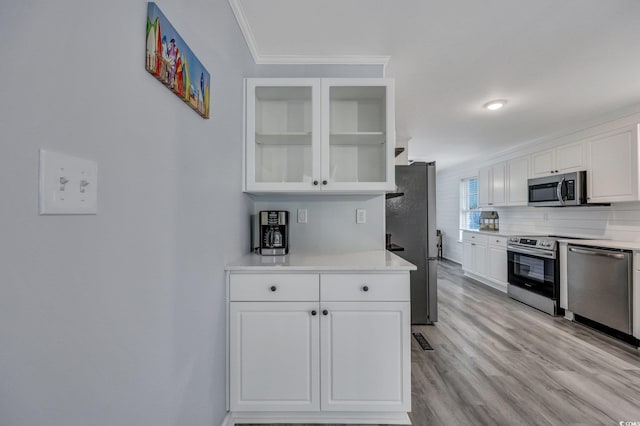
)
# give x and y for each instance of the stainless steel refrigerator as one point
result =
(411, 221)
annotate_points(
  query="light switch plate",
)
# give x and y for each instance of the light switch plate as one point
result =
(361, 216)
(68, 185)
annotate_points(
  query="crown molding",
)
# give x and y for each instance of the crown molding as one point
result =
(259, 59)
(245, 28)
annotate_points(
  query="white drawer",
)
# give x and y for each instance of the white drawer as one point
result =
(473, 237)
(497, 241)
(274, 287)
(364, 287)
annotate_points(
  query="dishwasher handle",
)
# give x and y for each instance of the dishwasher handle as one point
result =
(592, 252)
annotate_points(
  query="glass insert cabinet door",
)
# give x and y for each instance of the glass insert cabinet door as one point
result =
(358, 135)
(283, 133)
(308, 135)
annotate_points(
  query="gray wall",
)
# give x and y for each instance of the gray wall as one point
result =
(118, 318)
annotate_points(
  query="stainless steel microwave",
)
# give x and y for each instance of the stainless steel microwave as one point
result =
(569, 189)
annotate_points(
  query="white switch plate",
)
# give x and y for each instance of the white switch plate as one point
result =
(361, 216)
(68, 185)
(302, 215)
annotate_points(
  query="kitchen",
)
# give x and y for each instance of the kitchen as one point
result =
(120, 317)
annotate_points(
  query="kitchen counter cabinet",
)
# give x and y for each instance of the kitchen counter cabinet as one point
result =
(484, 258)
(320, 339)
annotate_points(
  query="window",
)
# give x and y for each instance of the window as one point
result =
(469, 211)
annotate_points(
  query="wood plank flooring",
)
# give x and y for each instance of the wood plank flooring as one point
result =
(499, 362)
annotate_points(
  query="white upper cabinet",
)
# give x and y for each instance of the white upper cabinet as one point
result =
(517, 176)
(312, 135)
(282, 134)
(563, 159)
(612, 172)
(492, 185)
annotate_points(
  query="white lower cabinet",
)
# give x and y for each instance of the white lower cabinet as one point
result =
(474, 249)
(344, 347)
(484, 258)
(274, 362)
(497, 264)
(364, 360)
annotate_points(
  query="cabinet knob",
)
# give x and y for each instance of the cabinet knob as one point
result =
(314, 313)
(273, 288)
(556, 171)
(324, 182)
(315, 182)
(325, 312)
(365, 288)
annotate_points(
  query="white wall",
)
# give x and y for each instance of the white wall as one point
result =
(620, 221)
(118, 318)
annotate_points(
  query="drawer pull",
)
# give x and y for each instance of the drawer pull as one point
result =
(325, 312)
(314, 313)
(365, 288)
(273, 288)
(497, 241)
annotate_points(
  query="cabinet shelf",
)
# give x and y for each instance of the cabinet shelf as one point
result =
(287, 138)
(394, 247)
(358, 138)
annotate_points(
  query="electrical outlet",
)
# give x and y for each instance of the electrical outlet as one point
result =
(302, 215)
(361, 216)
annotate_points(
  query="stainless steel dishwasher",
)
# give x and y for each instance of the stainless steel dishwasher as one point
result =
(599, 285)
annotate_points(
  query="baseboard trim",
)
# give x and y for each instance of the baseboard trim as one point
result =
(228, 420)
(319, 417)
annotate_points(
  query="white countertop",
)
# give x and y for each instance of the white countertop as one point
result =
(377, 260)
(625, 245)
(498, 233)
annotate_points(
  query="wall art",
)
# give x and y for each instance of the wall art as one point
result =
(170, 60)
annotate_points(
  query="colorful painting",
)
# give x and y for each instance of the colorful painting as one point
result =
(171, 61)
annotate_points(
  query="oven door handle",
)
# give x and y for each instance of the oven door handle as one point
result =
(547, 254)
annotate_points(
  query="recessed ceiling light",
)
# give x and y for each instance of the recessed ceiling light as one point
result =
(495, 105)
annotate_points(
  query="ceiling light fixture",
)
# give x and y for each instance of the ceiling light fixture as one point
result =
(495, 104)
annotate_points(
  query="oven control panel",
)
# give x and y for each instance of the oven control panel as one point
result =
(547, 244)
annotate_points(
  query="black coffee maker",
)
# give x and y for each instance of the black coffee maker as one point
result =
(270, 233)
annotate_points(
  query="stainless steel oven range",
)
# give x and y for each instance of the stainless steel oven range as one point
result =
(534, 272)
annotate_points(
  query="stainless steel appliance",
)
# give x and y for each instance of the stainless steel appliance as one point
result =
(569, 189)
(270, 232)
(534, 272)
(599, 285)
(411, 223)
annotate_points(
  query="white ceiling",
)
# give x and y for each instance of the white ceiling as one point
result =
(559, 63)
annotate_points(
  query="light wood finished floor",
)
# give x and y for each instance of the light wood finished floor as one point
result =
(499, 362)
